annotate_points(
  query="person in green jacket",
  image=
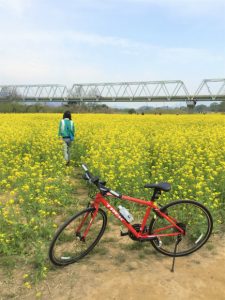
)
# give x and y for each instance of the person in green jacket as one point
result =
(66, 134)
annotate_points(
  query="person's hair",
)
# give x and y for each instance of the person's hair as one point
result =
(67, 114)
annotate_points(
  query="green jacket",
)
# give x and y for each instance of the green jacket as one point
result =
(66, 128)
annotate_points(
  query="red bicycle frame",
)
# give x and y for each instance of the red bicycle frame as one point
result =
(141, 235)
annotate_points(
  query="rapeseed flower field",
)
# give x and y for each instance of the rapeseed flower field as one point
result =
(127, 151)
(187, 151)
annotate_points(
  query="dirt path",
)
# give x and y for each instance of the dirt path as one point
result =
(109, 273)
(121, 269)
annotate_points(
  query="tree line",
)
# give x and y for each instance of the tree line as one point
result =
(19, 107)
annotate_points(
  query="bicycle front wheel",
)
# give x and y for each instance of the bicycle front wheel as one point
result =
(191, 215)
(77, 236)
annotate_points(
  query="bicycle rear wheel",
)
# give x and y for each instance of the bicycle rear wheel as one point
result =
(69, 244)
(193, 216)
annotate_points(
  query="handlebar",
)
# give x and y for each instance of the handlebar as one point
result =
(100, 184)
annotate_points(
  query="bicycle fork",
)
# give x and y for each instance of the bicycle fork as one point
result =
(78, 234)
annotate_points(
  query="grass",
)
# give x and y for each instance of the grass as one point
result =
(141, 255)
(101, 250)
(130, 268)
(109, 240)
(209, 246)
(120, 259)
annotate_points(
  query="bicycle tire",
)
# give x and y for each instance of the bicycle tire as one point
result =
(198, 228)
(67, 245)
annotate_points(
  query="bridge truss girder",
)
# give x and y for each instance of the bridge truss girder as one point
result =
(34, 93)
(146, 91)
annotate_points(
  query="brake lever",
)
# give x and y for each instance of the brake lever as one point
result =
(102, 182)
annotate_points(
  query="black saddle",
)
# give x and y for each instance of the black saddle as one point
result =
(162, 186)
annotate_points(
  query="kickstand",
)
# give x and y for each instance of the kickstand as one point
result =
(179, 238)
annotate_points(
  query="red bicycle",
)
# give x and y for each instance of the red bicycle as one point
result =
(177, 229)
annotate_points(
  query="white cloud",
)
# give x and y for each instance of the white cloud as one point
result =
(45, 57)
(31, 40)
(75, 36)
(189, 55)
(15, 6)
(45, 72)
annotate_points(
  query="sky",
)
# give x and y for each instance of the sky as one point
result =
(80, 41)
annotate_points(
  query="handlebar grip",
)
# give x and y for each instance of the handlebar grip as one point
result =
(87, 175)
(100, 184)
(84, 167)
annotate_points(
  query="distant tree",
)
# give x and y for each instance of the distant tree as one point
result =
(201, 108)
(131, 111)
(215, 107)
(222, 106)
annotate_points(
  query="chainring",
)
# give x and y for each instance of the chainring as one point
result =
(137, 227)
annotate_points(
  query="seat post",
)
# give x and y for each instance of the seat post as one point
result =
(156, 194)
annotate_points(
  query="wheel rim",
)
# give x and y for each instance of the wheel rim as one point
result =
(197, 228)
(70, 244)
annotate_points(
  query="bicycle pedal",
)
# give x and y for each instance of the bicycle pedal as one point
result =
(122, 233)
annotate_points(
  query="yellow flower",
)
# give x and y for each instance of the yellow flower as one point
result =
(27, 285)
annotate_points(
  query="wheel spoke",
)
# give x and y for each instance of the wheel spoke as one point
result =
(190, 215)
(77, 237)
